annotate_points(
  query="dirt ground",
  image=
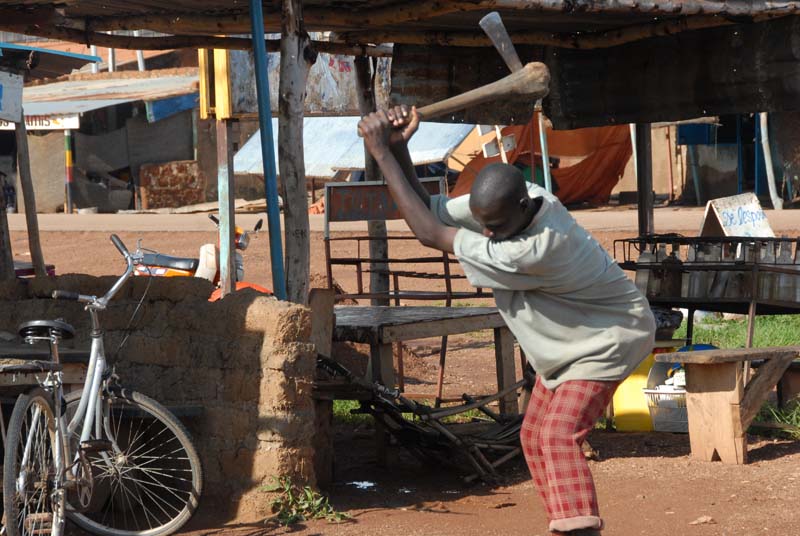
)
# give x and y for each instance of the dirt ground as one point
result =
(647, 483)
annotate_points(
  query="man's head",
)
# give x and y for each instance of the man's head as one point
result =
(499, 201)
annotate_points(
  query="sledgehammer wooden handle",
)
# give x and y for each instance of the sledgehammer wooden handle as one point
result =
(532, 81)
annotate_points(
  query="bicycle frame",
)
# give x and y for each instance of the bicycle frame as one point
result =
(89, 414)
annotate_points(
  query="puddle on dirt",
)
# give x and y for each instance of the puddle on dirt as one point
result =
(363, 485)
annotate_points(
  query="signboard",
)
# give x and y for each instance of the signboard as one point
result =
(737, 215)
(45, 122)
(10, 96)
(364, 201)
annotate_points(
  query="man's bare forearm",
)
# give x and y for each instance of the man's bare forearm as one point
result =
(423, 224)
(403, 157)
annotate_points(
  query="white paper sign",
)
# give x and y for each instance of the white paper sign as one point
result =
(46, 122)
(10, 96)
(737, 215)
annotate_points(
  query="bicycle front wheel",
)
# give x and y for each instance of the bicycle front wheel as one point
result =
(32, 499)
(150, 482)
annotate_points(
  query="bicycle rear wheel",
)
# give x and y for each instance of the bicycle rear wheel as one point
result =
(149, 485)
(33, 502)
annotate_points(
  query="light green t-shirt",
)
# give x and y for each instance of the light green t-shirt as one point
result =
(572, 309)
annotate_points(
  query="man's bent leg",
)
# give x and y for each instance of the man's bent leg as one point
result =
(574, 408)
(529, 437)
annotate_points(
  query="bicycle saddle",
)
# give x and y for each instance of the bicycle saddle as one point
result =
(44, 328)
(178, 263)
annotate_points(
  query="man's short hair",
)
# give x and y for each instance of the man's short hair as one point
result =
(498, 186)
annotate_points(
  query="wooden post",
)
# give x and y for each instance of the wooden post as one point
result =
(6, 256)
(26, 181)
(644, 178)
(227, 214)
(296, 60)
(378, 245)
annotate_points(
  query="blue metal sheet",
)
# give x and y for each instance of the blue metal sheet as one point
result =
(163, 108)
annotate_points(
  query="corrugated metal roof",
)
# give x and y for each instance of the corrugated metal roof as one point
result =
(78, 96)
(48, 63)
(332, 143)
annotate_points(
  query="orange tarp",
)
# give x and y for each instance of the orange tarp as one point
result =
(605, 152)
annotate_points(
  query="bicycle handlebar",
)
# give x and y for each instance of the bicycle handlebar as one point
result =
(65, 295)
(120, 246)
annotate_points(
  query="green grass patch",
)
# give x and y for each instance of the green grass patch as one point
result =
(777, 330)
(342, 413)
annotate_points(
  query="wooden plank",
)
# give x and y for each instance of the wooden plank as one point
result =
(223, 106)
(733, 355)
(320, 301)
(713, 392)
(296, 59)
(381, 364)
(26, 181)
(376, 227)
(6, 256)
(437, 328)
(759, 387)
(73, 374)
(506, 370)
(227, 213)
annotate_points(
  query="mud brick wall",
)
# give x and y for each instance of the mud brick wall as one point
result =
(170, 185)
(245, 361)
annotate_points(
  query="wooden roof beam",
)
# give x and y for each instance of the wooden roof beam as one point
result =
(184, 41)
(592, 40)
(315, 19)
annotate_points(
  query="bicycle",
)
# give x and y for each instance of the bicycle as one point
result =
(112, 460)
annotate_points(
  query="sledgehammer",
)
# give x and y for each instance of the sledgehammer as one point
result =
(531, 80)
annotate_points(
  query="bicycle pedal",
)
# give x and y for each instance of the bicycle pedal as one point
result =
(41, 523)
(93, 446)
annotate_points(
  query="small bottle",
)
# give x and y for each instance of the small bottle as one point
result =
(785, 283)
(643, 266)
(655, 285)
(698, 284)
(686, 276)
(672, 267)
(766, 279)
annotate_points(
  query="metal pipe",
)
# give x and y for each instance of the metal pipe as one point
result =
(548, 180)
(93, 51)
(139, 53)
(739, 156)
(777, 202)
(267, 150)
(68, 164)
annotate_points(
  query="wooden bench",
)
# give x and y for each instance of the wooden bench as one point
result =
(380, 327)
(720, 406)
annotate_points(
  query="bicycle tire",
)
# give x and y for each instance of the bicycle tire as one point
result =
(49, 507)
(121, 503)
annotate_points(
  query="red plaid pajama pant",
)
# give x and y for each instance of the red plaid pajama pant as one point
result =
(556, 424)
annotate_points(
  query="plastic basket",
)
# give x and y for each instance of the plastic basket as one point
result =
(667, 410)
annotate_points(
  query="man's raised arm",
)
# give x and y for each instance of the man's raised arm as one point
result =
(379, 135)
(406, 122)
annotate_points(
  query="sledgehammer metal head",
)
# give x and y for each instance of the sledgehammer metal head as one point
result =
(493, 25)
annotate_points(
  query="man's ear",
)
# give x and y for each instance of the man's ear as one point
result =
(524, 202)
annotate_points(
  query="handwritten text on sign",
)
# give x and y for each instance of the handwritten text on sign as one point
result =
(740, 215)
(10, 96)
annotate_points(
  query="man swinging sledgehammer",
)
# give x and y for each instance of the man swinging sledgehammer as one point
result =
(581, 322)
